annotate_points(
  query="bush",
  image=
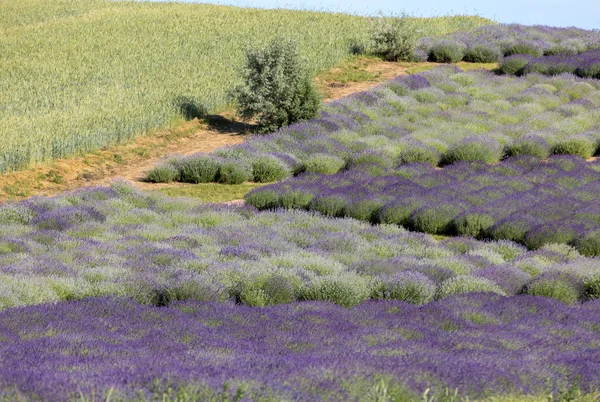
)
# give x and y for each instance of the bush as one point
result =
(394, 39)
(399, 213)
(330, 205)
(267, 169)
(365, 210)
(163, 174)
(529, 145)
(435, 219)
(589, 244)
(582, 146)
(472, 223)
(557, 285)
(234, 172)
(549, 233)
(447, 52)
(474, 149)
(467, 284)
(277, 90)
(591, 286)
(524, 47)
(199, 169)
(296, 199)
(263, 199)
(589, 70)
(483, 53)
(347, 289)
(514, 65)
(408, 286)
(324, 163)
(421, 153)
(512, 228)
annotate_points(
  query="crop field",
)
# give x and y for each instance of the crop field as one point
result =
(302, 351)
(436, 238)
(79, 75)
(522, 199)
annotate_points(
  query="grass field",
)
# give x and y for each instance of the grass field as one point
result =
(78, 75)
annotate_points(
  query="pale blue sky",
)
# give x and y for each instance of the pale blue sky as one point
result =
(580, 13)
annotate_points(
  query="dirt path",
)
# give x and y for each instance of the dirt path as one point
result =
(131, 161)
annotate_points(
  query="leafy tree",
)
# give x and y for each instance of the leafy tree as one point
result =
(277, 89)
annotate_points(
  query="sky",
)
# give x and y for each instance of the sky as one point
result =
(579, 13)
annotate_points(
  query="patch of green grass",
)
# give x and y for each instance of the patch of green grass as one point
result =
(210, 192)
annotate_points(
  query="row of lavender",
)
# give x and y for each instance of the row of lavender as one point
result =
(523, 199)
(585, 65)
(439, 117)
(548, 50)
(116, 349)
(117, 242)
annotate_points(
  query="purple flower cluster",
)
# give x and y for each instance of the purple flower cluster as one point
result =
(585, 65)
(489, 43)
(479, 344)
(523, 198)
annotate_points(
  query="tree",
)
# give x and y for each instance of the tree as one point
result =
(277, 89)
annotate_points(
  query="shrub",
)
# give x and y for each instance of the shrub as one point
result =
(582, 146)
(557, 285)
(267, 290)
(591, 286)
(408, 286)
(277, 89)
(330, 205)
(263, 199)
(589, 244)
(234, 172)
(324, 163)
(447, 52)
(549, 233)
(364, 210)
(514, 65)
(529, 145)
(163, 174)
(512, 228)
(399, 212)
(467, 284)
(198, 169)
(267, 169)
(435, 219)
(347, 289)
(296, 199)
(394, 39)
(420, 153)
(472, 223)
(524, 47)
(483, 53)
(474, 149)
(589, 70)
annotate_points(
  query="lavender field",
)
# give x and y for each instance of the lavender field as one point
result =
(523, 199)
(112, 242)
(377, 351)
(438, 117)
(520, 49)
(436, 238)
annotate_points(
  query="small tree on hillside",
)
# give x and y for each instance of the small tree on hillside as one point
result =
(277, 89)
(394, 38)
